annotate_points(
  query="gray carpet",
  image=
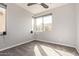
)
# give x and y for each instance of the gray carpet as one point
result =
(38, 48)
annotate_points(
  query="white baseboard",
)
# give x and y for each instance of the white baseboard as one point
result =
(56, 43)
(15, 45)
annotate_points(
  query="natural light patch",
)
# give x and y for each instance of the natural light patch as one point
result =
(48, 19)
(49, 51)
(39, 21)
(36, 50)
(2, 19)
(64, 53)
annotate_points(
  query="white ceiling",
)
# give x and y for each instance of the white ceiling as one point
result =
(35, 9)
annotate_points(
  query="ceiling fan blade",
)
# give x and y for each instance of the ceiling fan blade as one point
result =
(44, 5)
(29, 4)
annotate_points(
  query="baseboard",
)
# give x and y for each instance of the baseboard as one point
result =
(15, 45)
(57, 43)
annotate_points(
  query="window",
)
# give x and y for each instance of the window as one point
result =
(2, 17)
(39, 24)
(42, 24)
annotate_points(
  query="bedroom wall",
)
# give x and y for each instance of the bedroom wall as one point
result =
(64, 31)
(77, 26)
(18, 27)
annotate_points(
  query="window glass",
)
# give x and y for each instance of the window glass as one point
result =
(2, 19)
(39, 24)
(47, 23)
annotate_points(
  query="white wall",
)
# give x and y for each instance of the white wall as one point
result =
(18, 27)
(77, 23)
(64, 32)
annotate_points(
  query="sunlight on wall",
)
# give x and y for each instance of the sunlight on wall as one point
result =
(49, 51)
(36, 50)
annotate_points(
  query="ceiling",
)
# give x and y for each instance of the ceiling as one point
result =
(35, 9)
